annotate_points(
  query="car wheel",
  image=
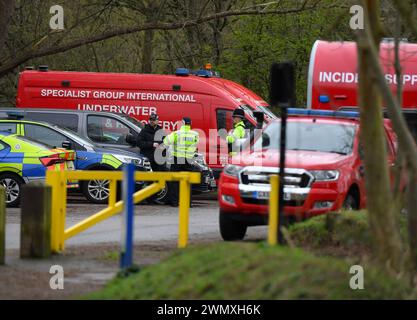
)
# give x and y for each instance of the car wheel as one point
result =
(350, 203)
(231, 230)
(96, 191)
(13, 188)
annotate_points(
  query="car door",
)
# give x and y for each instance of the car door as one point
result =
(108, 132)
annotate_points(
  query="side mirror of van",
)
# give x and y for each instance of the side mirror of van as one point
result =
(260, 118)
(67, 145)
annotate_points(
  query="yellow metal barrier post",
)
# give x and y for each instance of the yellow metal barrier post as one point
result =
(56, 180)
(184, 208)
(273, 210)
(186, 179)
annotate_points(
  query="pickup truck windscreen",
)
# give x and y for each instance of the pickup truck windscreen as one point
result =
(267, 112)
(319, 137)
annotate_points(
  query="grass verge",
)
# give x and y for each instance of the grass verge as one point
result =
(251, 271)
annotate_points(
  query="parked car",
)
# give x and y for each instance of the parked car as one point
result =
(23, 160)
(324, 170)
(88, 155)
(105, 130)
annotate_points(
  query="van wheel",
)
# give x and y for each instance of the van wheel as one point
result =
(13, 188)
(96, 191)
(231, 230)
(350, 203)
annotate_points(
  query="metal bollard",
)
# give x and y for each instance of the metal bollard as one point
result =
(35, 230)
(2, 226)
(273, 220)
(126, 254)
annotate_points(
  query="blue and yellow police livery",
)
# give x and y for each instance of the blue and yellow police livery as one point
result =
(23, 160)
(88, 155)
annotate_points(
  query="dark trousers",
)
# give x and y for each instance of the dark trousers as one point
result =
(158, 167)
(179, 164)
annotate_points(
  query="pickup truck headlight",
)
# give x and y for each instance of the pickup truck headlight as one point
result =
(232, 170)
(127, 159)
(325, 175)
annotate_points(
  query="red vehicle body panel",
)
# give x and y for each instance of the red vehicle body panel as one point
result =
(349, 167)
(333, 72)
(139, 95)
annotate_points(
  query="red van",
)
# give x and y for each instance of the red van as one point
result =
(207, 99)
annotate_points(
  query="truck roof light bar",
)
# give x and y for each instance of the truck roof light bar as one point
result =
(182, 72)
(322, 113)
(15, 115)
(204, 73)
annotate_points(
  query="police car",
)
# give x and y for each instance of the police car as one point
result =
(23, 161)
(88, 155)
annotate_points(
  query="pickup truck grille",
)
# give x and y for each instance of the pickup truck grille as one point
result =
(294, 178)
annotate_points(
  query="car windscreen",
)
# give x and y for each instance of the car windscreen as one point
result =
(309, 136)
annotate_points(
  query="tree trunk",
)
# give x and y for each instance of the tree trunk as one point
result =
(385, 233)
(6, 11)
(147, 54)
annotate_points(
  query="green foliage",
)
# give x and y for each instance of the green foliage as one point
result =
(346, 233)
(255, 42)
(251, 271)
(347, 229)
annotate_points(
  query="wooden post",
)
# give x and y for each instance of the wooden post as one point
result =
(35, 232)
(2, 226)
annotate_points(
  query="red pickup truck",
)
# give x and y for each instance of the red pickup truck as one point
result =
(323, 172)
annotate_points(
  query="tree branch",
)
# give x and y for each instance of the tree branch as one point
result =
(10, 66)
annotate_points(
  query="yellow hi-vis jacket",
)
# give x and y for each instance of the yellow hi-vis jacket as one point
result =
(184, 142)
(237, 133)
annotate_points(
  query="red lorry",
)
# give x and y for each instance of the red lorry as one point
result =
(203, 96)
(324, 170)
(333, 76)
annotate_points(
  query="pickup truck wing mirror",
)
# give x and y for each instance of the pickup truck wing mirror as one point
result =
(266, 141)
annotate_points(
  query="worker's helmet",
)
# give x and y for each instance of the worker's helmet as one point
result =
(239, 113)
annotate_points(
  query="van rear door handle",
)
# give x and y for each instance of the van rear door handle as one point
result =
(340, 97)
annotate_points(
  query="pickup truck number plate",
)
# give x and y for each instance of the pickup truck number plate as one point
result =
(262, 195)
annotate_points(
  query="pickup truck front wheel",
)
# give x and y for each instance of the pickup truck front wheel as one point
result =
(350, 203)
(230, 229)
